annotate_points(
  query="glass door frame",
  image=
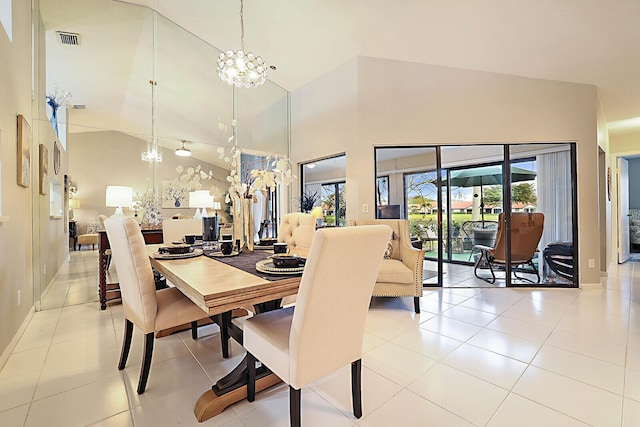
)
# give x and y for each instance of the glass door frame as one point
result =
(506, 207)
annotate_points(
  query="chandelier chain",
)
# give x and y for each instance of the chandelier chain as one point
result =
(241, 25)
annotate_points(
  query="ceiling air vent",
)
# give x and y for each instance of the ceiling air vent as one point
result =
(68, 38)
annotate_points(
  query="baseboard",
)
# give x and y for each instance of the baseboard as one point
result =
(590, 285)
(16, 338)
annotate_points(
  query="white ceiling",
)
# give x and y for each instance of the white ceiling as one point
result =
(583, 41)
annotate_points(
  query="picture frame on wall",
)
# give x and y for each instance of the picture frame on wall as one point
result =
(44, 169)
(174, 195)
(24, 152)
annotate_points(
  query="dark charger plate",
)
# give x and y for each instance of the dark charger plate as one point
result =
(287, 261)
(175, 249)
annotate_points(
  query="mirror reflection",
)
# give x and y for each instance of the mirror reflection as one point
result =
(121, 79)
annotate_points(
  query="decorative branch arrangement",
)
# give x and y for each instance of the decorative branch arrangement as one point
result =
(277, 169)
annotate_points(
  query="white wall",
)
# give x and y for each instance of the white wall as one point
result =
(18, 243)
(99, 159)
(397, 103)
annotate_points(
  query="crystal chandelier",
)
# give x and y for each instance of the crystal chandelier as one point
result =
(242, 69)
(152, 155)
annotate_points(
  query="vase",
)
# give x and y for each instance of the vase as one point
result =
(248, 227)
(153, 214)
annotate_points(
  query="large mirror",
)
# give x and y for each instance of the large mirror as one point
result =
(101, 57)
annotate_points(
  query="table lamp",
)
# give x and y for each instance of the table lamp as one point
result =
(200, 199)
(317, 214)
(216, 207)
(119, 196)
(73, 204)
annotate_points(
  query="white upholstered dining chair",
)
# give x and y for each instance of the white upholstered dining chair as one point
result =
(173, 230)
(324, 331)
(144, 307)
(297, 230)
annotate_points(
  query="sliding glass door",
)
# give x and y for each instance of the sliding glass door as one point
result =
(502, 229)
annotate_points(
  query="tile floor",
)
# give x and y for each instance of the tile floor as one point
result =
(473, 357)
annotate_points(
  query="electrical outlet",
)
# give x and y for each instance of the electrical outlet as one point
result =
(44, 269)
(19, 297)
(592, 263)
(365, 208)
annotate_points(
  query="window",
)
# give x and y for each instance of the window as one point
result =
(323, 186)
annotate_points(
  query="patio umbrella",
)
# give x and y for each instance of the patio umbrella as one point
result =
(487, 175)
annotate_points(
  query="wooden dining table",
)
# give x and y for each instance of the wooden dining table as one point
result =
(219, 288)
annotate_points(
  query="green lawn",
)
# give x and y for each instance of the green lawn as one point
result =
(456, 217)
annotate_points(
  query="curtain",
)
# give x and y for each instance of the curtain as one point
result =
(554, 196)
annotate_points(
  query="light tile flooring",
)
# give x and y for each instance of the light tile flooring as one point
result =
(483, 357)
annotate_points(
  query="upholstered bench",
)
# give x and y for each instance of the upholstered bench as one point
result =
(91, 236)
(87, 239)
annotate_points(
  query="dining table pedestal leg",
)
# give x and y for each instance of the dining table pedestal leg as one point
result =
(210, 404)
(232, 387)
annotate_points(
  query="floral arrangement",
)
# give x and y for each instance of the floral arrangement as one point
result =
(189, 179)
(57, 99)
(277, 169)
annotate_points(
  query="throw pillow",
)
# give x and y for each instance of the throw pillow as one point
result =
(389, 251)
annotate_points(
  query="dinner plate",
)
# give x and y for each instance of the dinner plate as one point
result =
(266, 266)
(194, 253)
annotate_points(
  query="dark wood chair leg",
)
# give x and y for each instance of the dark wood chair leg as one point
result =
(146, 362)
(356, 387)
(251, 377)
(294, 407)
(223, 321)
(416, 304)
(194, 330)
(126, 343)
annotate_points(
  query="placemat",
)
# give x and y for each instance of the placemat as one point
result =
(246, 261)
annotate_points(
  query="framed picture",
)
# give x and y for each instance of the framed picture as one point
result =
(174, 194)
(24, 152)
(44, 169)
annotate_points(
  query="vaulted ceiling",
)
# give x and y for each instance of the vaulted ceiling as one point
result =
(583, 41)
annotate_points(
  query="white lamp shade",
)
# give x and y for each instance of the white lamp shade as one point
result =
(200, 199)
(74, 203)
(119, 196)
(216, 206)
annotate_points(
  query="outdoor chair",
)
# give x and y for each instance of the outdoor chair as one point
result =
(526, 231)
(479, 233)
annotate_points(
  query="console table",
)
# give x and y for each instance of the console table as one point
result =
(111, 291)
